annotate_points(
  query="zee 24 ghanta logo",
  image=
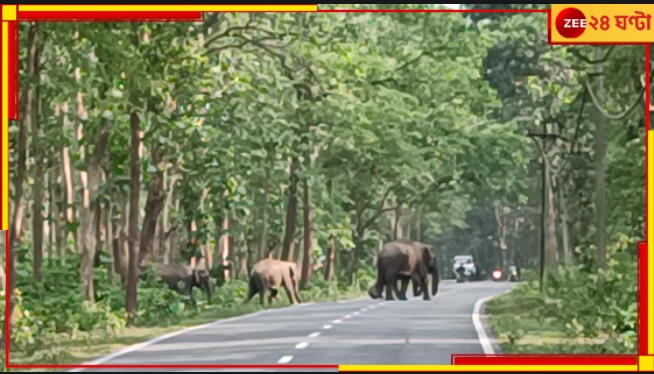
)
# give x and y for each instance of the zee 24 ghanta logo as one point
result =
(572, 22)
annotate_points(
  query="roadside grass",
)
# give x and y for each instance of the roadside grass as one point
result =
(65, 349)
(524, 322)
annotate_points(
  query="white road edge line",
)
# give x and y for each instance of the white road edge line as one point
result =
(139, 346)
(479, 327)
(314, 334)
(301, 345)
(285, 359)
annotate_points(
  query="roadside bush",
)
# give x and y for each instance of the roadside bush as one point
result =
(579, 302)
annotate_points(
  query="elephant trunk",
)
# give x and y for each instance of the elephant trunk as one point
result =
(434, 280)
(375, 292)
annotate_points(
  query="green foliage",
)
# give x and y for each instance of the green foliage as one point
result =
(580, 302)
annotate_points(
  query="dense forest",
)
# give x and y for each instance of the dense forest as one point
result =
(314, 138)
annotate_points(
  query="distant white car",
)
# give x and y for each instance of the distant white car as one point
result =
(467, 263)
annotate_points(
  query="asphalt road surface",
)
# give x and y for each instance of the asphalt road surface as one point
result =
(361, 331)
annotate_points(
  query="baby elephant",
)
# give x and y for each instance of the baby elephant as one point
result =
(268, 274)
(191, 277)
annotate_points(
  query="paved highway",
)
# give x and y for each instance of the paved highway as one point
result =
(361, 331)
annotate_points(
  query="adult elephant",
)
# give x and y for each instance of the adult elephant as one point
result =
(192, 276)
(405, 260)
(269, 274)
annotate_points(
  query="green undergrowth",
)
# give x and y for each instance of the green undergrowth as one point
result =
(579, 312)
(57, 326)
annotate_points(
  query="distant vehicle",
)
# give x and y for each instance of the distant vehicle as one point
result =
(463, 267)
(514, 275)
(497, 274)
(511, 274)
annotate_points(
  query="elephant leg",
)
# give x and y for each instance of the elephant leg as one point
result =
(416, 282)
(424, 278)
(289, 293)
(188, 288)
(262, 295)
(401, 293)
(391, 283)
(272, 294)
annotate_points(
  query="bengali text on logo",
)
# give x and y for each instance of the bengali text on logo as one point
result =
(595, 25)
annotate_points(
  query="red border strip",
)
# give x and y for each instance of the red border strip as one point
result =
(13, 67)
(82, 16)
(545, 360)
(643, 288)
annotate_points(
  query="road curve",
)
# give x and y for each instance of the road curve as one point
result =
(361, 331)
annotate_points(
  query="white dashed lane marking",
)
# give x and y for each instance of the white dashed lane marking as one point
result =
(302, 345)
(285, 359)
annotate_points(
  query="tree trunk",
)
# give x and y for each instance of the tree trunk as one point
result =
(21, 173)
(308, 228)
(288, 245)
(242, 254)
(600, 167)
(551, 248)
(97, 232)
(418, 222)
(109, 242)
(397, 234)
(225, 241)
(164, 248)
(331, 259)
(263, 246)
(567, 252)
(354, 258)
(153, 207)
(89, 215)
(57, 207)
(32, 118)
(120, 245)
(69, 199)
(134, 201)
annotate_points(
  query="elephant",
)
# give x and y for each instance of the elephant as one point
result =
(193, 277)
(269, 274)
(405, 260)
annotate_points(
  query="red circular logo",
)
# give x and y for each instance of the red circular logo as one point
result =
(571, 23)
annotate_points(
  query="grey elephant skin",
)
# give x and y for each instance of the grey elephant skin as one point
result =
(404, 260)
(197, 277)
(269, 274)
